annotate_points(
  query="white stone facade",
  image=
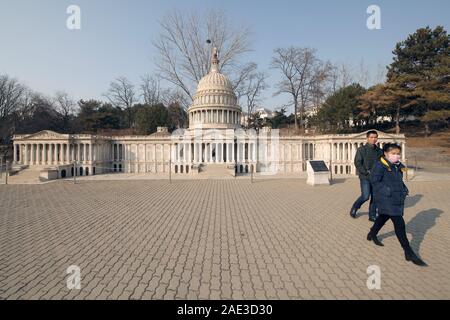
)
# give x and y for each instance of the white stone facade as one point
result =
(184, 151)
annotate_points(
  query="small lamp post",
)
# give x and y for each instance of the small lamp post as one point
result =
(74, 163)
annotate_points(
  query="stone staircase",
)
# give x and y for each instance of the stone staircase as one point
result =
(216, 171)
(25, 176)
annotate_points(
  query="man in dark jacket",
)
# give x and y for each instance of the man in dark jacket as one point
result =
(364, 160)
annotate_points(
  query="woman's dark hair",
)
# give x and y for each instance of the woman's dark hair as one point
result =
(391, 146)
(371, 132)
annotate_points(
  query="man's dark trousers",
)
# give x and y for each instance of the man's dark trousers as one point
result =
(365, 157)
(366, 193)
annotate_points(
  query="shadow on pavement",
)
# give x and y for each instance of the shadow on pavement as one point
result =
(338, 180)
(413, 200)
(418, 226)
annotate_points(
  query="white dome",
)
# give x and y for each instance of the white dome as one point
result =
(214, 84)
(214, 81)
(214, 104)
(214, 89)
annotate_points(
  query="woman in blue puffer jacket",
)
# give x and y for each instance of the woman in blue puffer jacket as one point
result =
(389, 194)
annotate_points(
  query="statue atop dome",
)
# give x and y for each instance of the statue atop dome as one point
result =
(215, 60)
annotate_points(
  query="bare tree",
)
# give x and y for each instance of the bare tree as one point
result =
(27, 104)
(250, 90)
(121, 93)
(64, 104)
(151, 91)
(185, 57)
(344, 74)
(240, 83)
(363, 76)
(300, 69)
(380, 74)
(323, 76)
(11, 94)
(334, 79)
(340, 76)
(345, 71)
(175, 97)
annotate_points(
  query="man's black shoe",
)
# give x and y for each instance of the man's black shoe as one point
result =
(372, 219)
(353, 213)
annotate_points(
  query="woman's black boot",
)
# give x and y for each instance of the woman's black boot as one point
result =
(372, 237)
(411, 256)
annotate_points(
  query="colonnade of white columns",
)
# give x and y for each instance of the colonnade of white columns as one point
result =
(346, 151)
(215, 116)
(43, 153)
(138, 156)
(118, 151)
(214, 152)
(343, 154)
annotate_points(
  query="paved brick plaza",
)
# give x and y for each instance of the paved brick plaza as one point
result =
(214, 239)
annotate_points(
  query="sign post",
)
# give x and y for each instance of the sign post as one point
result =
(170, 171)
(74, 172)
(170, 164)
(6, 172)
(331, 171)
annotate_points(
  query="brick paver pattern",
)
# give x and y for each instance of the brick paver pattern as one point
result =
(215, 239)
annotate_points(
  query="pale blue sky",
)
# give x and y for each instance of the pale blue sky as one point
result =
(115, 39)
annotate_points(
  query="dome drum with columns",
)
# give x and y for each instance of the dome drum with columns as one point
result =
(214, 104)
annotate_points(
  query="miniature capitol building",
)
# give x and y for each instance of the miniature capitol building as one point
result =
(214, 143)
